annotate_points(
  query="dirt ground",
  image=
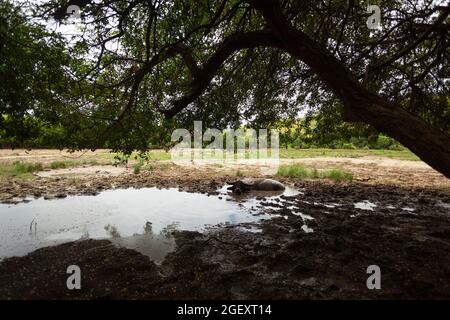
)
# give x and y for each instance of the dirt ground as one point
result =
(48, 155)
(283, 261)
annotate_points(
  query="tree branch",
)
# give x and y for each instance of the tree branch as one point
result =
(230, 45)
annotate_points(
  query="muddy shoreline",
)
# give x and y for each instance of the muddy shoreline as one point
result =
(205, 180)
(280, 262)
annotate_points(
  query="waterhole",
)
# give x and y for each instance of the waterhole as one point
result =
(140, 219)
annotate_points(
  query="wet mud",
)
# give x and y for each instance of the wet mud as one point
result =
(318, 245)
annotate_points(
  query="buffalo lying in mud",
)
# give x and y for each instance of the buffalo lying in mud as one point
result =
(240, 186)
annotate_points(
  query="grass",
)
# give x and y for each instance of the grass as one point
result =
(347, 153)
(70, 163)
(137, 169)
(337, 175)
(152, 155)
(59, 164)
(19, 169)
(292, 153)
(297, 171)
(24, 167)
(138, 166)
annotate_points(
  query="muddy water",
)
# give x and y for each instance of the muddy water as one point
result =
(140, 219)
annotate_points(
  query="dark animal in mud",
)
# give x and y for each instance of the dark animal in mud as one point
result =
(240, 186)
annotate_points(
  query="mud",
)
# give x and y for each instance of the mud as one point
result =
(275, 259)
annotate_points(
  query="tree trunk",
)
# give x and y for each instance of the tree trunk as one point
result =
(428, 143)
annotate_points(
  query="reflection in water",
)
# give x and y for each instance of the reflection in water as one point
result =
(112, 231)
(155, 246)
(257, 194)
(365, 205)
(33, 226)
(148, 228)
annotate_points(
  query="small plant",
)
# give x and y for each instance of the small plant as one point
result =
(137, 168)
(239, 173)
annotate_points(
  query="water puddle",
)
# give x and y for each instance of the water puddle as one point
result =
(140, 219)
(365, 205)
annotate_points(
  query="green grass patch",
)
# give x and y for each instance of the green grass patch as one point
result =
(137, 168)
(59, 164)
(19, 169)
(297, 171)
(292, 153)
(25, 169)
(347, 153)
(337, 175)
(71, 163)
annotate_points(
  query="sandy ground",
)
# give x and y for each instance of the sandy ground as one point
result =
(48, 155)
(84, 171)
(283, 261)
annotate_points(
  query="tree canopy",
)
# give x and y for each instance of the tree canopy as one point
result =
(137, 68)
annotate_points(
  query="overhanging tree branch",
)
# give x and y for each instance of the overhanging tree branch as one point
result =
(230, 45)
